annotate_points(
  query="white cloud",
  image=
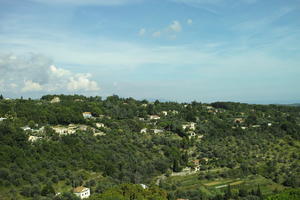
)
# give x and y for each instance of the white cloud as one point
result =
(82, 82)
(189, 21)
(175, 26)
(168, 31)
(30, 86)
(142, 32)
(58, 72)
(156, 34)
(13, 85)
(36, 73)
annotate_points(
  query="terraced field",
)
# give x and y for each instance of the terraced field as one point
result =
(192, 182)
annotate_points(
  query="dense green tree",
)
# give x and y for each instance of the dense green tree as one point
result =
(48, 190)
(269, 149)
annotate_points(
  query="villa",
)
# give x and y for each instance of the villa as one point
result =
(155, 117)
(87, 115)
(82, 192)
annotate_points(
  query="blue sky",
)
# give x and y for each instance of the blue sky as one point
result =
(181, 50)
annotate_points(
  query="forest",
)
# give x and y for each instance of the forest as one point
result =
(222, 150)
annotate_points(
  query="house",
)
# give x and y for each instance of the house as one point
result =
(26, 128)
(269, 124)
(184, 126)
(197, 168)
(82, 127)
(255, 126)
(144, 186)
(165, 113)
(191, 134)
(40, 130)
(157, 131)
(33, 138)
(82, 192)
(72, 126)
(196, 165)
(196, 162)
(60, 130)
(2, 118)
(155, 117)
(144, 130)
(99, 134)
(238, 120)
(100, 125)
(64, 130)
(87, 115)
(71, 131)
(200, 136)
(190, 125)
(55, 100)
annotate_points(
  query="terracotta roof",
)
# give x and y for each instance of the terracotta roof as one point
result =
(196, 162)
(79, 189)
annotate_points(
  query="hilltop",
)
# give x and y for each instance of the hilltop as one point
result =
(221, 150)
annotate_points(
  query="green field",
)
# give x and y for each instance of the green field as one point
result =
(215, 186)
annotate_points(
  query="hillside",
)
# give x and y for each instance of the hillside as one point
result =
(222, 150)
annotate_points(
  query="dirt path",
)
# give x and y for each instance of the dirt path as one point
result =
(160, 178)
(184, 173)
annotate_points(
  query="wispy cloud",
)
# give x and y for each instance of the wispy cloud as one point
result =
(267, 31)
(87, 2)
(213, 7)
(169, 31)
(250, 1)
(156, 34)
(263, 22)
(142, 32)
(211, 2)
(189, 21)
(175, 26)
(195, 2)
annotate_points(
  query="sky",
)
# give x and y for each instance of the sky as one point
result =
(176, 50)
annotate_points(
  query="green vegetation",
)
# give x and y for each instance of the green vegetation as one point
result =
(243, 151)
(292, 194)
(130, 191)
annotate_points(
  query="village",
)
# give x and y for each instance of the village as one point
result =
(161, 125)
